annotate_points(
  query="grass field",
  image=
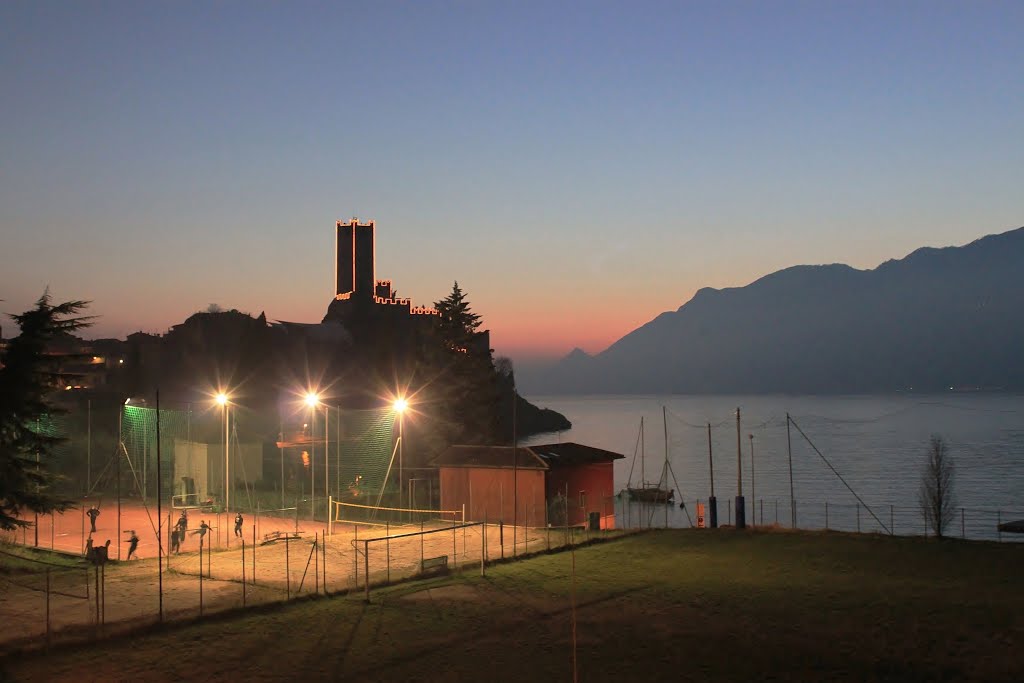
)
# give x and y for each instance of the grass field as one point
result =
(678, 604)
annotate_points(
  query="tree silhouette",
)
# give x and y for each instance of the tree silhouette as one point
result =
(936, 494)
(28, 378)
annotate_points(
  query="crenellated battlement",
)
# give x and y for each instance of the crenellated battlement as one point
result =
(355, 263)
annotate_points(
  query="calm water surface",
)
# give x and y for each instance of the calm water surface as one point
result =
(878, 444)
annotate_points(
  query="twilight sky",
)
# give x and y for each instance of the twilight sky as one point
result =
(578, 167)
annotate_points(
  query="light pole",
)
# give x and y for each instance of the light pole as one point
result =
(400, 405)
(312, 400)
(222, 400)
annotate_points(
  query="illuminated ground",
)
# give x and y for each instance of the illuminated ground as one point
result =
(682, 604)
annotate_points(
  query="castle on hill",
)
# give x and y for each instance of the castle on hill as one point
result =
(358, 293)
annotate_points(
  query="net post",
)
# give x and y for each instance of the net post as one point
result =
(330, 518)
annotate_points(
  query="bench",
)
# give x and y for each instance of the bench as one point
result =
(434, 565)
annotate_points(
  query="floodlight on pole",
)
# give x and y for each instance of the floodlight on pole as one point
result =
(400, 404)
(223, 400)
(312, 401)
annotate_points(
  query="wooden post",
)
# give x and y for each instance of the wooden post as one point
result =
(892, 525)
(254, 554)
(366, 559)
(355, 552)
(387, 548)
(826, 515)
(287, 571)
(963, 526)
(316, 562)
(243, 572)
(483, 544)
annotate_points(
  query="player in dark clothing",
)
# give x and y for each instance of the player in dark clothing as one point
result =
(93, 513)
(175, 541)
(133, 544)
(238, 525)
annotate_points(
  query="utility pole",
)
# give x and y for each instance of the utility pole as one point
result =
(159, 513)
(515, 472)
(792, 500)
(753, 484)
(712, 501)
(741, 510)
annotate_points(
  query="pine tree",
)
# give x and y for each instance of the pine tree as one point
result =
(27, 379)
(457, 324)
(466, 387)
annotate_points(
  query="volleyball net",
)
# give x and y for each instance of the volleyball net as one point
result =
(376, 515)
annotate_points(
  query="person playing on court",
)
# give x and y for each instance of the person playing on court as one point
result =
(134, 544)
(203, 528)
(238, 525)
(183, 523)
(175, 541)
(93, 513)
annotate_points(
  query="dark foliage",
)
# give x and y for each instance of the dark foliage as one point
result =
(28, 378)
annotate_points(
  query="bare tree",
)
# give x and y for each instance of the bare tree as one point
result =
(936, 496)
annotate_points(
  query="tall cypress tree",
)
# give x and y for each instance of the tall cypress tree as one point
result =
(28, 378)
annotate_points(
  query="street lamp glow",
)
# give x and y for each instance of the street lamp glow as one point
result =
(400, 405)
(312, 400)
(222, 399)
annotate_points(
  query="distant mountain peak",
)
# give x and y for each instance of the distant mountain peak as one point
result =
(577, 354)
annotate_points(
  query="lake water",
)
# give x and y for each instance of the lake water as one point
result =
(878, 444)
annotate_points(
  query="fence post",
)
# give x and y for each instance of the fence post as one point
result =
(355, 553)
(826, 515)
(366, 559)
(483, 544)
(287, 571)
(858, 517)
(243, 572)
(963, 526)
(254, 553)
(387, 547)
(762, 512)
(201, 575)
(47, 607)
(892, 521)
(776, 511)
(455, 547)
(316, 562)
(999, 522)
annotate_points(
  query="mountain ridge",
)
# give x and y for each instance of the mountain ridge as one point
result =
(938, 317)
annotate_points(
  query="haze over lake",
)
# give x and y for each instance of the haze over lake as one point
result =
(877, 443)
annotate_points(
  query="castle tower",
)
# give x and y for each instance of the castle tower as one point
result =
(354, 260)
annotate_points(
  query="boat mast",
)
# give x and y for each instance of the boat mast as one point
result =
(643, 477)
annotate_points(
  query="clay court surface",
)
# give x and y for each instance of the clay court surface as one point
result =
(282, 568)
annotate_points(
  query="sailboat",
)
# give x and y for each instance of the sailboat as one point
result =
(647, 492)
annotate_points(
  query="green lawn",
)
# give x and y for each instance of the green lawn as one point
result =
(692, 605)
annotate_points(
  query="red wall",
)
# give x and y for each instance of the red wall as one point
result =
(488, 493)
(597, 484)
